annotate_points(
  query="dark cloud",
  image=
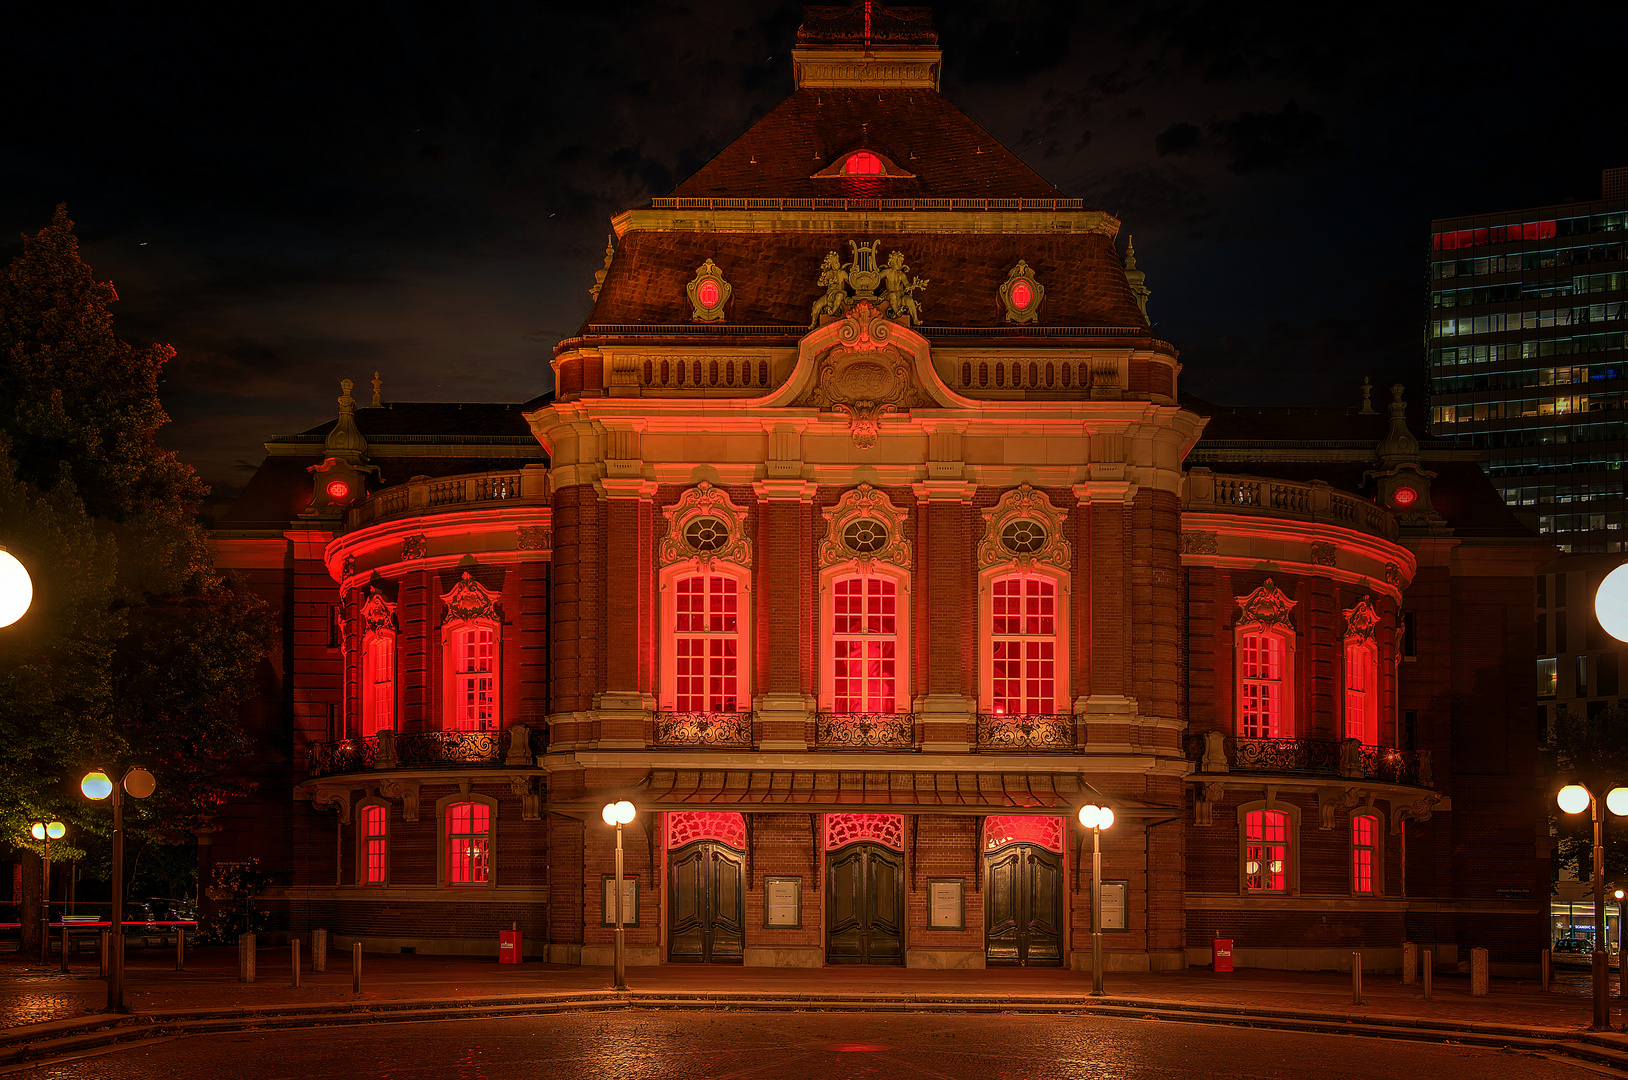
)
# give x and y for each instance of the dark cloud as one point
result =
(1178, 138)
(1254, 141)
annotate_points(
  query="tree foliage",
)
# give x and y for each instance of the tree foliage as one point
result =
(135, 650)
(1592, 751)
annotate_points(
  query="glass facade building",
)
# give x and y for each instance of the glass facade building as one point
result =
(1528, 314)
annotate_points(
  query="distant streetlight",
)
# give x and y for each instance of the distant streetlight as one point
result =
(1574, 799)
(1611, 603)
(16, 588)
(619, 814)
(1096, 818)
(138, 783)
(45, 832)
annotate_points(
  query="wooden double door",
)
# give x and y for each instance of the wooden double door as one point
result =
(864, 905)
(705, 904)
(1023, 906)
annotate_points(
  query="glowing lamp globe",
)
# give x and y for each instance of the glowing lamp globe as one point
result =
(55, 830)
(1105, 820)
(1573, 798)
(139, 783)
(1090, 815)
(1611, 603)
(37, 830)
(96, 785)
(1252, 868)
(1616, 801)
(617, 813)
(16, 588)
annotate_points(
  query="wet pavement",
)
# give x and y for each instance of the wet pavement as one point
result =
(804, 1046)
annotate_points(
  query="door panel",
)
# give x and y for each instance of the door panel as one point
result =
(705, 911)
(864, 906)
(1023, 902)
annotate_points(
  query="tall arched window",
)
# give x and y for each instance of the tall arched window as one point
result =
(865, 654)
(1023, 645)
(468, 843)
(1267, 851)
(1362, 691)
(1367, 861)
(379, 682)
(706, 644)
(471, 653)
(1262, 677)
(372, 842)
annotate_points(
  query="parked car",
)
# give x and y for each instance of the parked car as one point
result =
(1572, 945)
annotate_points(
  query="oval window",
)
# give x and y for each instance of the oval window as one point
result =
(1023, 537)
(706, 533)
(865, 536)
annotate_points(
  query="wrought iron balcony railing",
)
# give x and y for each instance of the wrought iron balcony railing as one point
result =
(703, 729)
(1217, 752)
(865, 731)
(427, 750)
(1027, 731)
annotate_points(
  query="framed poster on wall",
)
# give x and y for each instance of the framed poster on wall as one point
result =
(630, 900)
(783, 902)
(946, 903)
(1115, 896)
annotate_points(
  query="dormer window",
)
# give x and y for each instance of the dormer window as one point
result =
(863, 163)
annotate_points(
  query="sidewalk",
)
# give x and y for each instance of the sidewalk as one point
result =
(31, 995)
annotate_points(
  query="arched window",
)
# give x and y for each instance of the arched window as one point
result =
(1025, 646)
(474, 677)
(1367, 860)
(707, 644)
(372, 844)
(866, 659)
(1263, 672)
(1362, 691)
(379, 682)
(468, 843)
(1268, 837)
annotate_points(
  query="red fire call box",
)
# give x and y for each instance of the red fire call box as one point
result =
(1223, 954)
(508, 946)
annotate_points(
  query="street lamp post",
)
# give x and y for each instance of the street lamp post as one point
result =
(619, 814)
(138, 783)
(45, 832)
(1574, 799)
(1096, 818)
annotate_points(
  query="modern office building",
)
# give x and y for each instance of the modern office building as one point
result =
(1529, 309)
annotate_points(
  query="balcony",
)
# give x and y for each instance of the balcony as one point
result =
(1347, 759)
(426, 750)
(711, 730)
(424, 495)
(865, 731)
(1031, 731)
(1209, 492)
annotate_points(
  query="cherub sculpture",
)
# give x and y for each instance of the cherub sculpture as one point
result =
(835, 280)
(897, 287)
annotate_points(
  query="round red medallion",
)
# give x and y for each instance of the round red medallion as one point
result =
(1022, 295)
(1405, 496)
(707, 292)
(338, 489)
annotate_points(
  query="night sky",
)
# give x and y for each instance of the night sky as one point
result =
(294, 194)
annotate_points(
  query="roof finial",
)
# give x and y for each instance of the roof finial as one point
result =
(599, 275)
(345, 439)
(1367, 404)
(378, 392)
(1136, 279)
(1398, 445)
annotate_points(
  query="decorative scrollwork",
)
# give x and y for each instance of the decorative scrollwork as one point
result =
(893, 731)
(436, 749)
(1285, 755)
(467, 600)
(1025, 513)
(1266, 606)
(378, 614)
(705, 525)
(1360, 620)
(344, 756)
(872, 506)
(1033, 731)
(703, 729)
(1389, 763)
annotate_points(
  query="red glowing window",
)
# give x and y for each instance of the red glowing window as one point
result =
(1022, 295)
(1266, 851)
(374, 838)
(1260, 686)
(707, 645)
(379, 683)
(1405, 496)
(708, 292)
(844, 829)
(338, 489)
(688, 826)
(474, 678)
(469, 839)
(1003, 829)
(1361, 699)
(865, 644)
(1364, 850)
(863, 163)
(1023, 643)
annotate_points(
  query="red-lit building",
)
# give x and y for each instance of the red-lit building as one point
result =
(859, 565)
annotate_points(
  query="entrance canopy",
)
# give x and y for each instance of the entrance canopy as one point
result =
(904, 792)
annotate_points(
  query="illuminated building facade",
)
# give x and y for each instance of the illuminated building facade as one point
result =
(859, 565)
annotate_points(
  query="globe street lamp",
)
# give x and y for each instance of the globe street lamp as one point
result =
(1611, 603)
(45, 832)
(1574, 799)
(138, 783)
(1096, 818)
(16, 588)
(619, 814)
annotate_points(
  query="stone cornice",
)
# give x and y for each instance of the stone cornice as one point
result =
(864, 222)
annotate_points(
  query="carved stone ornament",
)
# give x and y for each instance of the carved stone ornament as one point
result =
(378, 614)
(1361, 620)
(1024, 528)
(531, 802)
(535, 538)
(864, 376)
(1393, 575)
(851, 531)
(333, 798)
(1322, 553)
(348, 567)
(406, 791)
(709, 292)
(1198, 542)
(1331, 803)
(412, 547)
(1420, 809)
(1266, 606)
(705, 525)
(890, 284)
(1021, 295)
(468, 600)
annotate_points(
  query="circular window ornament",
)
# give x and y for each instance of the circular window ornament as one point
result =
(706, 534)
(708, 292)
(866, 536)
(338, 489)
(1024, 536)
(1404, 497)
(1021, 294)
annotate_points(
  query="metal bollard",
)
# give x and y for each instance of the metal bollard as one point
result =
(1622, 974)
(356, 968)
(45, 941)
(1356, 978)
(1410, 963)
(319, 950)
(64, 950)
(245, 958)
(101, 972)
(1429, 971)
(180, 948)
(294, 958)
(1480, 973)
(1545, 972)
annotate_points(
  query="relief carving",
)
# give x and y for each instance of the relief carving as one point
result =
(1023, 527)
(1322, 553)
(406, 791)
(535, 538)
(866, 527)
(1266, 606)
(1361, 620)
(1194, 542)
(467, 600)
(705, 525)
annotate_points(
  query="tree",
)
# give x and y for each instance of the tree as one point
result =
(1593, 751)
(136, 650)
